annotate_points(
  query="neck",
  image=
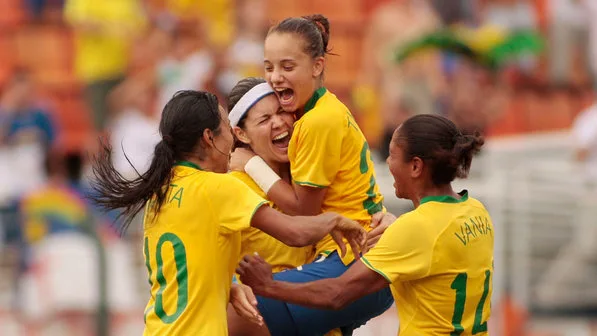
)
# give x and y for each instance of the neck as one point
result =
(433, 190)
(206, 165)
(301, 111)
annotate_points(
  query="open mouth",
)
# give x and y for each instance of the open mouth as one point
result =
(281, 140)
(285, 96)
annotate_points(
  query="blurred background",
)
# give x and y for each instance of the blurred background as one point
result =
(73, 70)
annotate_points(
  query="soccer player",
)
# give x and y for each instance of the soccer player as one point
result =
(194, 214)
(438, 258)
(331, 170)
(260, 124)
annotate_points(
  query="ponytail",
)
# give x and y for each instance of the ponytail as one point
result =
(465, 147)
(114, 192)
(184, 120)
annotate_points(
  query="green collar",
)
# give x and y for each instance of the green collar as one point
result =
(188, 164)
(314, 98)
(446, 198)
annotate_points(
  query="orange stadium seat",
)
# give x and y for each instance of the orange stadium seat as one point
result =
(48, 53)
(7, 58)
(349, 11)
(12, 14)
(278, 10)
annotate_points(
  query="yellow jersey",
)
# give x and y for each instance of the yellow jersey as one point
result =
(276, 253)
(439, 261)
(104, 54)
(328, 150)
(191, 249)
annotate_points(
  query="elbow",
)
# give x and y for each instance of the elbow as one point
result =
(300, 238)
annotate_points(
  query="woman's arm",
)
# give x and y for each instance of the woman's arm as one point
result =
(333, 293)
(295, 199)
(291, 198)
(307, 230)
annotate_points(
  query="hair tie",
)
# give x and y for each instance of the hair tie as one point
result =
(167, 139)
(320, 26)
(457, 137)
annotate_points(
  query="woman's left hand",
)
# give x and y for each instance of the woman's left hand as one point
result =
(244, 302)
(239, 158)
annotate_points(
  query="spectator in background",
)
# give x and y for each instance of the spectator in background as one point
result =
(60, 230)
(27, 132)
(55, 210)
(568, 34)
(477, 96)
(244, 57)
(584, 132)
(384, 84)
(217, 16)
(190, 65)
(512, 16)
(456, 11)
(104, 31)
(591, 9)
(36, 7)
(22, 120)
(134, 130)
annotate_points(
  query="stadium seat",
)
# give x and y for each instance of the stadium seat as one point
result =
(12, 14)
(7, 58)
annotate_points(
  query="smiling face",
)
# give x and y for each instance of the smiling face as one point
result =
(406, 172)
(292, 72)
(267, 129)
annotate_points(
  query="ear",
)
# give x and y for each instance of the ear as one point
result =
(241, 135)
(318, 66)
(208, 138)
(417, 166)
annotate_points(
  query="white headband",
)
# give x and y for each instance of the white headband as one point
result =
(247, 101)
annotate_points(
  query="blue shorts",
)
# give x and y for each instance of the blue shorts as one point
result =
(285, 319)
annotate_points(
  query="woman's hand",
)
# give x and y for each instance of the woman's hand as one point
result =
(244, 302)
(350, 230)
(239, 158)
(379, 222)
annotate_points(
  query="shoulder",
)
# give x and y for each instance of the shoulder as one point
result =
(328, 110)
(418, 224)
(412, 220)
(205, 180)
(227, 179)
(477, 204)
(247, 180)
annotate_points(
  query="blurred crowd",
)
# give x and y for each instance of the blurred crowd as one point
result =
(131, 56)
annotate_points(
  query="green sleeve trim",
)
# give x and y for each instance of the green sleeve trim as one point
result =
(368, 264)
(257, 208)
(309, 184)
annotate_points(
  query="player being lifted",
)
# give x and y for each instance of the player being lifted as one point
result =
(260, 124)
(330, 167)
